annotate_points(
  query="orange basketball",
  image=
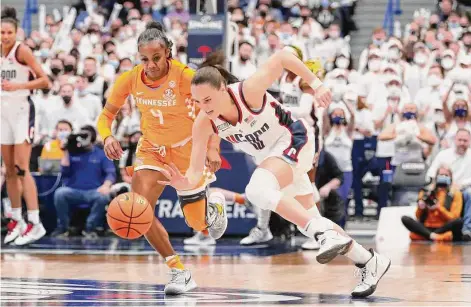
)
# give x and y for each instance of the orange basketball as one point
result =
(130, 215)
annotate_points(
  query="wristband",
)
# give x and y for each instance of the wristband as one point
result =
(315, 84)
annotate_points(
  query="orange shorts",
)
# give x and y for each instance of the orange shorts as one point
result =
(153, 156)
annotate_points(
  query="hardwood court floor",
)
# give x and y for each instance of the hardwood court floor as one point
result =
(421, 274)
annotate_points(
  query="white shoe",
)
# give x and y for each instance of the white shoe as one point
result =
(15, 229)
(180, 282)
(199, 239)
(370, 274)
(257, 235)
(32, 233)
(310, 244)
(332, 244)
(217, 217)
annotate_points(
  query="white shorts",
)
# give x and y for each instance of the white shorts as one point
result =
(17, 120)
(301, 184)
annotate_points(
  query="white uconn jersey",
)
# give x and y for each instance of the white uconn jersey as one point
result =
(290, 92)
(258, 132)
(15, 72)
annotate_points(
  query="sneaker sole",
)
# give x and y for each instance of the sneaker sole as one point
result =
(330, 254)
(190, 286)
(254, 243)
(219, 233)
(11, 240)
(29, 242)
(372, 289)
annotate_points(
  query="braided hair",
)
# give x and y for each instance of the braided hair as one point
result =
(155, 32)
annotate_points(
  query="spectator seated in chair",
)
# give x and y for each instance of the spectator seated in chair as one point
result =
(438, 211)
(52, 150)
(88, 176)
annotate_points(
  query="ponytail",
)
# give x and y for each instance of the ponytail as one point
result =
(213, 72)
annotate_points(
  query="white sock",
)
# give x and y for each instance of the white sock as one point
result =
(314, 211)
(263, 219)
(16, 214)
(358, 254)
(33, 216)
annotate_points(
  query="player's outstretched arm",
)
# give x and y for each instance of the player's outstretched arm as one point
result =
(254, 88)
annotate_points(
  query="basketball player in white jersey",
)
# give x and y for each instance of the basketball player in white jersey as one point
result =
(17, 128)
(245, 114)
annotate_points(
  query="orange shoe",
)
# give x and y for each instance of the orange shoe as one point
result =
(415, 237)
(444, 237)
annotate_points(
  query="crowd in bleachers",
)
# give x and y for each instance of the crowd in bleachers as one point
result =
(406, 102)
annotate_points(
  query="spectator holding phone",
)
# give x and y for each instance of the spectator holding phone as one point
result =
(438, 211)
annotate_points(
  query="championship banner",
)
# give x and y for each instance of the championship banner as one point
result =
(205, 35)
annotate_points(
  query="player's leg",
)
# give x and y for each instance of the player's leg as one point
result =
(144, 182)
(17, 225)
(35, 229)
(371, 264)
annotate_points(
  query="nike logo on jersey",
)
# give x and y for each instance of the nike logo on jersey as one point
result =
(252, 138)
(139, 93)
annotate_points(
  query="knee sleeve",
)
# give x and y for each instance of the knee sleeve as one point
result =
(318, 224)
(263, 190)
(194, 210)
(20, 172)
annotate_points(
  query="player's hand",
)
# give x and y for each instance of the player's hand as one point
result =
(10, 86)
(323, 96)
(113, 150)
(175, 178)
(104, 189)
(324, 191)
(213, 160)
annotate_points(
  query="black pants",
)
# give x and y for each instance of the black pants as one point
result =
(418, 228)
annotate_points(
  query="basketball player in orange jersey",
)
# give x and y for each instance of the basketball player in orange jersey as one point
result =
(160, 86)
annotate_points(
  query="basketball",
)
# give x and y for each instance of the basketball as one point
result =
(130, 215)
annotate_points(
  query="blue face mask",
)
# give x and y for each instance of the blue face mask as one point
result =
(409, 115)
(461, 112)
(378, 42)
(338, 120)
(115, 64)
(44, 53)
(443, 180)
(295, 11)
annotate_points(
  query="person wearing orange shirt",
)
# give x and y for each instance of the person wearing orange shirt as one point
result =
(52, 150)
(160, 86)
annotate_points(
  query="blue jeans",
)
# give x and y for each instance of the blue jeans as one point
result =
(467, 210)
(343, 191)
(384, 187)
(64, 197)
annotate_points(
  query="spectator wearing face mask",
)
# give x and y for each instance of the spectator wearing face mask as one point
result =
(44, 101)
(88, 176)
(53, 148)
(243, 67)
(372, 71)
(390, 85)
(456, 118)
(428, 98)
(57, 67)
(438, 126)
(69, 109)
(377, 40)
(416, 76)
(364, 144)
(438, 211)
(337, 81)
(96, 83)
(462, 71)
(89, 102)
(70, 65)
(339, 123)
(448, 61)
(466, 39)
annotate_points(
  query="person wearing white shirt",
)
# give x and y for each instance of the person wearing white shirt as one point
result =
(243, 67)
(68, 110)
(372, 69)
(339, 122)
(457, 117)
(428, 98)
(378, 38)
(363, 143)
(415, 77)
(89, 102)
(44, 102)
(448, 61)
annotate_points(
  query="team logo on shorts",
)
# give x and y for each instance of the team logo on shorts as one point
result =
(172, 84)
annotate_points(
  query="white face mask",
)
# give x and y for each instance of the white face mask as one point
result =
(342, 63)
(448, 63)
(393, 54)
(94, 39)
(334, 34)
(420, 58)
(439, 118)
(434, 80)
(394, 91)
(374, 64)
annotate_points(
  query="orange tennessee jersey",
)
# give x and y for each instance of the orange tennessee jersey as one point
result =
(167, 111)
